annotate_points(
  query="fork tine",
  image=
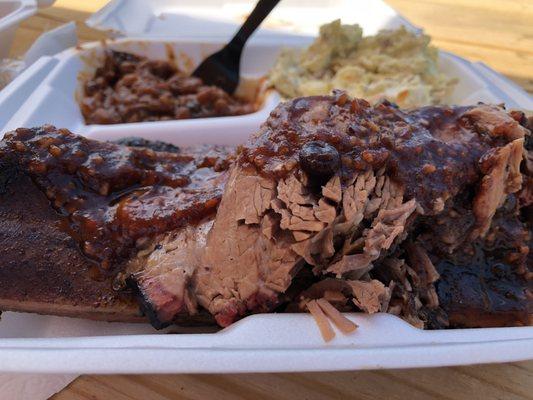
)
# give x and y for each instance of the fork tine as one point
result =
(222, 68)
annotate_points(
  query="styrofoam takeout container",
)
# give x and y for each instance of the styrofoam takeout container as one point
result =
(45, 93)
(63, 84)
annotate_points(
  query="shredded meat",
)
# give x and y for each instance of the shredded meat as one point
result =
(344, 324)
(501, 167)
(350, 191)
(321, 320)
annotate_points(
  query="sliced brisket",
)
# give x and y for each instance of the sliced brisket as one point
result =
(424, 214)
(364, 194)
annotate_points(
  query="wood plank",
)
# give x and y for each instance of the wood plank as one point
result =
(498, 33)
(504, 381)
(453, 380)
(49, 18)
(508, 380)
(480, 23)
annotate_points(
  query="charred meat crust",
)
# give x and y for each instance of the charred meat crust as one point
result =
(155, 145)
(59, 199)
(145, 305)
(42, 269)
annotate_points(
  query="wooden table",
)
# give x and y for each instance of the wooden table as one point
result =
(497, 32)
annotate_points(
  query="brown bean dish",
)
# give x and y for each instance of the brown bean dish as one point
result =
(132, 88)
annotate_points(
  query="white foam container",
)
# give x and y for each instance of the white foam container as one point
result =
(62, 84)
(260, 343)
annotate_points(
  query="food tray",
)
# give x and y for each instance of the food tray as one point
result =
(259, 343)
(62, 84)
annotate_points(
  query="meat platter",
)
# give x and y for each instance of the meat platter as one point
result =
(285, 341)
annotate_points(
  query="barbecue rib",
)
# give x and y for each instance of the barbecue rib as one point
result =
(74, 211)
(425, 214)
(41, 269)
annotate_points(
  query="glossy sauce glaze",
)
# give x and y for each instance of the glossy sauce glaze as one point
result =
(115, 198)
(433, 145)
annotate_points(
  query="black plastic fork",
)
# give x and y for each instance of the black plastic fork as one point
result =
(222, 68)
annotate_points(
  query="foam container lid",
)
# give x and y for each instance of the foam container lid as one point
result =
(259, 343)
(12, 13)
(220, 18)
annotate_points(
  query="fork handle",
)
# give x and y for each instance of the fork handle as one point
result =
(259, 13)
